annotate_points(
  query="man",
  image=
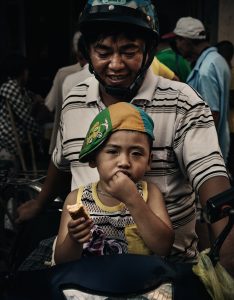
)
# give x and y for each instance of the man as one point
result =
(210, 75)
(120, 43)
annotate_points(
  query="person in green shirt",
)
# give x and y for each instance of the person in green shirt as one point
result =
(168, 56)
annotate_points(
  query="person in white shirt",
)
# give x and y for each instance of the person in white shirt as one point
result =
(54, 98)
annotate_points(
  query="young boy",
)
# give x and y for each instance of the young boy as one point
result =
(127, 215)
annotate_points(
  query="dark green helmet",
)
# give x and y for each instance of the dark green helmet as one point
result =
(140, 13)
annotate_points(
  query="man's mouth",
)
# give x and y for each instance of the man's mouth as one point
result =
(117, 79)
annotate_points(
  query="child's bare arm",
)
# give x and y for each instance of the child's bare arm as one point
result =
(151, 218)
(72, 233)
(152, 221)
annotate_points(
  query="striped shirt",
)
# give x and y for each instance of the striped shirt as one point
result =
(185, 152)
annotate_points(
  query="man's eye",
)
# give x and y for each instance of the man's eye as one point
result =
(103, 54)
(129, 54)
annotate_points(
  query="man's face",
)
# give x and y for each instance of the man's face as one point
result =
(117, 60)
(185, 48)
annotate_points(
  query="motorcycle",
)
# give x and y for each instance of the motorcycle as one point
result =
(125, 276)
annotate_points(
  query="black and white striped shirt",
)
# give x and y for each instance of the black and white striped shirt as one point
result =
(185, 151)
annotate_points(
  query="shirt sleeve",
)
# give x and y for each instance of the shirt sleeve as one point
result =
(165, 72)
(161, 69)
(57, 156)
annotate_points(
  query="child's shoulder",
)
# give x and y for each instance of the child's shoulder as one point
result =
(72, 197)
(151, 187)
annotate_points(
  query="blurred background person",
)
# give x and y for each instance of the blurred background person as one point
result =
(80, 75)
(54, 98)
(210, 75)
(168, 55)
(18, 116)
(226, 49)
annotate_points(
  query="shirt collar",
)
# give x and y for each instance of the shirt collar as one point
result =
(148, 87)
(202, 56)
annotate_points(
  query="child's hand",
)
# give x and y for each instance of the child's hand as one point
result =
(122, 187)
(80, 230)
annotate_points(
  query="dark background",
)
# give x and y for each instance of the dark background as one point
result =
(43, 30)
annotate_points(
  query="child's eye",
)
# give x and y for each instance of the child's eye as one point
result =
(111, 151)
(136, 153)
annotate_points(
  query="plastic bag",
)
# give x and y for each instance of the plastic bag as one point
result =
(218, 282)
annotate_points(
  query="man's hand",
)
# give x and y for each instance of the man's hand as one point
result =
(28, 210)
(226, 252)
(208, 189)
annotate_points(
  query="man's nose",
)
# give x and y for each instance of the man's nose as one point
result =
(116, 62)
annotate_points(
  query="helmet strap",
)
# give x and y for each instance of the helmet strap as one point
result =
(127, 93)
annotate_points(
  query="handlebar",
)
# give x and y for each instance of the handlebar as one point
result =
(220, 205)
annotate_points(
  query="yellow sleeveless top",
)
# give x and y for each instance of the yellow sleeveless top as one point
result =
(115, 223)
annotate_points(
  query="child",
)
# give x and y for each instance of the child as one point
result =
(127, 214)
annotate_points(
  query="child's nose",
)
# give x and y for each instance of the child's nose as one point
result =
(124, 161)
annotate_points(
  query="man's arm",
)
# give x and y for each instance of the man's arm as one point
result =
(56, 183)
(208, 189)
